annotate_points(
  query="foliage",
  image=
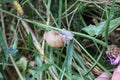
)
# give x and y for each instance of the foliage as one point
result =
(100, 28)
(25, 53)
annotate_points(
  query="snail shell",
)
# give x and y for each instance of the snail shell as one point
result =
(54, 39)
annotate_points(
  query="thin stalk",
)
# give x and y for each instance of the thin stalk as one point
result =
(17, 70)
(91, 57)
(66, 12)
(62, 72)
(60, 13)
(33, 8)
(48, 12)
(70, 7)
(83, 21)
(80, 61)
(95, 62)
(108, 21)
(74, 11)
(3, 25)
(75, 33)
(51, 15)
(51, 27)
(6, 64)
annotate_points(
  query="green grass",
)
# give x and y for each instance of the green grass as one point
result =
(28, 56)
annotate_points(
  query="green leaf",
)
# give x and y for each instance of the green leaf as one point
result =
(1, 76)
(68, 61)
(2, 42)
(69, 58)
(38, 61)
(40, 70)
(22, 62)
(11, 51)
(4, 45)
(30, 41)
(100, 28)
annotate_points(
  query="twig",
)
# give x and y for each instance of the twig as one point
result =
(17, 70)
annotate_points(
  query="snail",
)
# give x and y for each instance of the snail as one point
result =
(56, 39)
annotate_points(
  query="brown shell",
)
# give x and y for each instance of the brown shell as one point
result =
(54, 39)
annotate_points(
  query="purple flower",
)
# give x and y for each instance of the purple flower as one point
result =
(113, 53)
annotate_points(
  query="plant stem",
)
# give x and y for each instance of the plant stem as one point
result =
(17, 70)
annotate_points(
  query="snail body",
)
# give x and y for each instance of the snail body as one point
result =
(54, 39)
